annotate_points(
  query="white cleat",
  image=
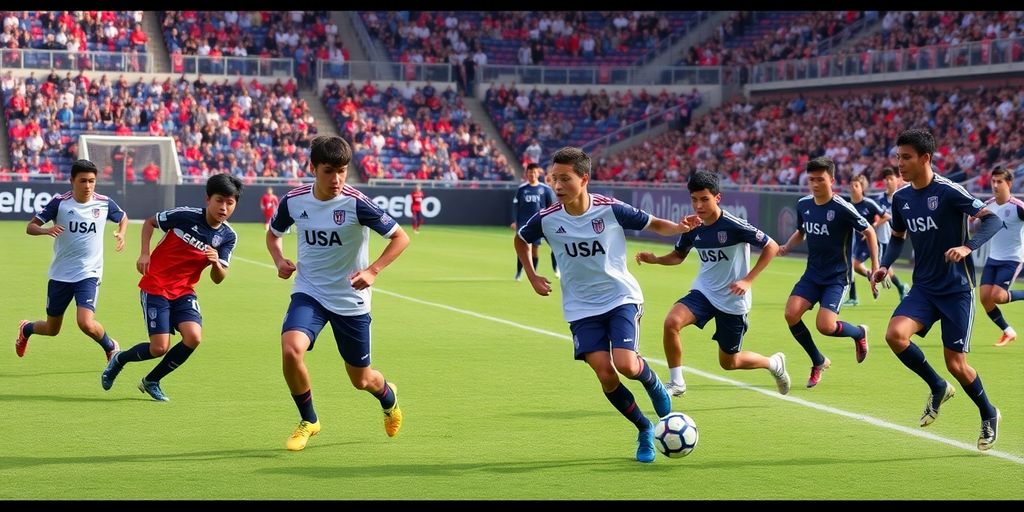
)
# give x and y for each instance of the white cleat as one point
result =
(675, 389)
(782, 377)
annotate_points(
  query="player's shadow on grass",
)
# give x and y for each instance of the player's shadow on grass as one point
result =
(611, 464)
(559, 414)
(19, 462)
(48, 374)
(66, 398)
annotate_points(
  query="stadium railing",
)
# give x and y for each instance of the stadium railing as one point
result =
(63, 59)
(233, 66)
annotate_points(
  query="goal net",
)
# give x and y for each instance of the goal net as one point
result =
(138, 152)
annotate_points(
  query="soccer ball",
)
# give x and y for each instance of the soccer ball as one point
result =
(675, 435)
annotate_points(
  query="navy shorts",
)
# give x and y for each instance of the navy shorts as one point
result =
(163, 315)
(1000, 273)
(351, 333)
(729, 328)
(59, 293)
(830, 296)
(955, 310)
(861, 252)
(618, 328)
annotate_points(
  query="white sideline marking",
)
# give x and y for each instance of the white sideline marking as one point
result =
(773, 394)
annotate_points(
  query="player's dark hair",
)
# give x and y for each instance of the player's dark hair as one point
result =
(888, 171)
(225, 185)
(576, 157)
(703, 180)
(331, 150)
(921, 140)
(822, 163)
(82, 165)
(533, 165)
(1003, 173)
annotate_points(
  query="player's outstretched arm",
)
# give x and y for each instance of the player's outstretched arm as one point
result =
(122, 228)
(871, 238)
(285, 266)
(794, 240)
(668, 228)
(540, 284)
(990, 225)
(364, 279)
(144, 238)
(35, 228)
(892, 253)
(671, 258)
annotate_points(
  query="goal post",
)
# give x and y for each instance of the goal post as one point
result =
(117, 151)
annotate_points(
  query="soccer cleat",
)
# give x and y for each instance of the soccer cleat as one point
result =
(21, 343)
(660, 399)
(301, 435)
(781, 378)
(393, 416)
(110, 372)
(519, 276)
(861, 345)
(932, 411)
(1006, 338)
(153, 388)
(116, 349)
(815, 377)
(851, 302)
(989, 432)
(645, 445)
(676, 389)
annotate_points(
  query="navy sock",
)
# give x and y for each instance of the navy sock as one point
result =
(976, 391)
(174, 358)
(847, 330)
(997, 316)
(304, 401)
(853, 290)
(386, 396)
(914, 359)
(137, 353)
(896, 281)
(535, 263)
(1016, 295)
(29, 329)
(519, 267)
(106, 343)
(554, 264)
(803, 337)
(624, 402)
(647, 377)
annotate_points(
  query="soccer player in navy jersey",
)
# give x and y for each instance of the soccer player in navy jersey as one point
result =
(195, 238)
(883, 231)
(1006, 252)
(828, 224)
(721, 290)
(333, 223)
(79, 220)
(532, 197)
(935, 211)
(873, 213)
(601, 300)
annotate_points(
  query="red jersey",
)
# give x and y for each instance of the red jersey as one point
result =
(417, 200)
(269, 203)
(178, 261)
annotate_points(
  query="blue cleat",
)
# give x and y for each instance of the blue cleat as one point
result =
(153, 388)
(659, 397)
(110, 372)
(645, 446)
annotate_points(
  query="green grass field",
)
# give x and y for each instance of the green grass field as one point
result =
(495, 407)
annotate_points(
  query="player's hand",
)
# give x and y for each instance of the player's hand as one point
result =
(957, 254)
(143, 264)
(120, 241)
(285, 268)
(541, 285)
(211, 254)
(362, 279)
(645, 257)
(783, 249)
(689, 223)
(740, 287)
(513, 226)
(55, 230)
(881, 276)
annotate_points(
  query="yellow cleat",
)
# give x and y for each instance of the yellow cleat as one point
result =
(301, 436)
(1006, 338)
(393, 416)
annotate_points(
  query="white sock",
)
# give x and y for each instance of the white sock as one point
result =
(676, 375)
(1009, 330)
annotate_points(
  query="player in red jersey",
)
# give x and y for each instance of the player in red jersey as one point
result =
(195, 238)
(268, 203)
(417, 209)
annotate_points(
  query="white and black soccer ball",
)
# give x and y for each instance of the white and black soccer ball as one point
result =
(675, 435)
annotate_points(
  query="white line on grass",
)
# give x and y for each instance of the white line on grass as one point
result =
(799, 401)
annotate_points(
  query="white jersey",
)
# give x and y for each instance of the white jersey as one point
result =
(724, 250)
(591, 253)
(78, 251)
(333, 238)
(1007, 243)
(884, 232)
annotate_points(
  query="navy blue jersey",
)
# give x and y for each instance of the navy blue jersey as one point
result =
(936, 217)
(529, 200)
(828, 229)
(868, 209)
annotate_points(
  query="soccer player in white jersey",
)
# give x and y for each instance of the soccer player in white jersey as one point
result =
(332, 222)
(79, 221)
(722, 287)
(1006, 253)
(933, 212)
(601, 300)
